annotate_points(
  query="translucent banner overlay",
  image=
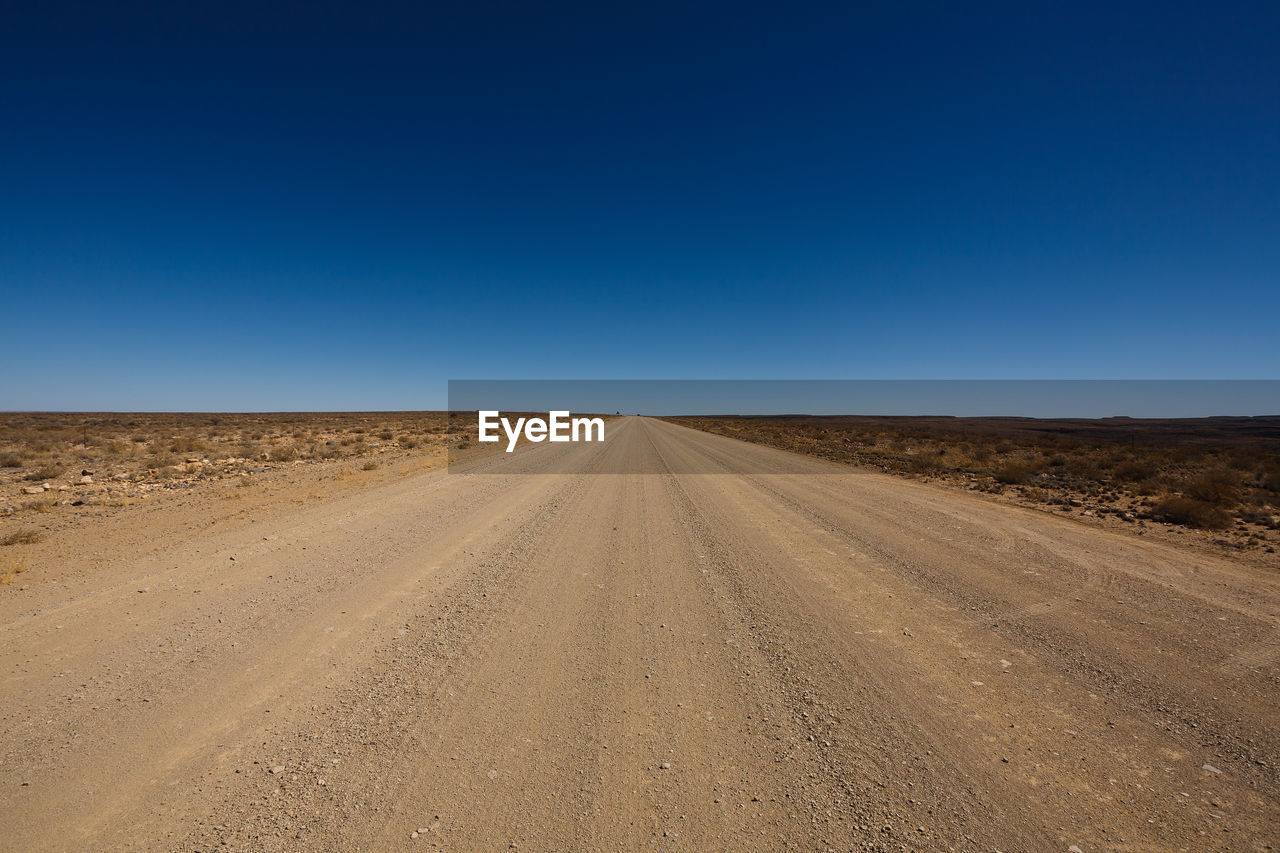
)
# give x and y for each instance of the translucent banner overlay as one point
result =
(688, 426)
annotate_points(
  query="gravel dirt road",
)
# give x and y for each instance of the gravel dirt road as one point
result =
(713, 660)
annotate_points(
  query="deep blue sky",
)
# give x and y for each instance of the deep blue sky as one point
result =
(320, 207)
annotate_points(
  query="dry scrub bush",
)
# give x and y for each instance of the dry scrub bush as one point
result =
(1192, 513)
(287, 453)
(22, 537)
(1134, 471)
(1015, 473)
(1218, 487)
(187, 444)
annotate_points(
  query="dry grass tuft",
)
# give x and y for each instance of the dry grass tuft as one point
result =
(23, 537)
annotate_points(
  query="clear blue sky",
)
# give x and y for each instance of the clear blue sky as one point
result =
(316, 207)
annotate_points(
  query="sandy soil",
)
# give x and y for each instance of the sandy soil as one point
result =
(509, 659)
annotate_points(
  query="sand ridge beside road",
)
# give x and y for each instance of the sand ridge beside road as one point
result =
(549, 654)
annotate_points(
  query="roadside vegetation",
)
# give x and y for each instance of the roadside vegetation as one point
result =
(1220, 475)
(51, 460)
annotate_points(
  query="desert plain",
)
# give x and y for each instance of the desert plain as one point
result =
(305, 631)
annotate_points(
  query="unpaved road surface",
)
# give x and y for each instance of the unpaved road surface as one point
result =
(819, 659)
